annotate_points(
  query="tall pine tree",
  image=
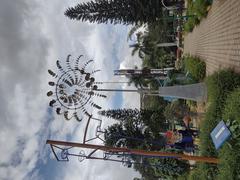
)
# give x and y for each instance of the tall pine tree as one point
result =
(126, 135)
(154, 119)
(117, 11)
(121, 114)
(143, 124)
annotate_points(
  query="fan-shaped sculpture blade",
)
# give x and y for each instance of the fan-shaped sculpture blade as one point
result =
(74, 89)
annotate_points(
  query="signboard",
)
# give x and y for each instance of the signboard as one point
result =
(220, 134)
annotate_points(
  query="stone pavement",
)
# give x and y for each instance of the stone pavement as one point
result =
(217, 39)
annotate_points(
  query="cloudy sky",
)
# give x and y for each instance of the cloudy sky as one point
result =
(33, 35)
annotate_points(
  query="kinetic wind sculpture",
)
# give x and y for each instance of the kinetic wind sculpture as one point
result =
(72, 96)
(73, 89)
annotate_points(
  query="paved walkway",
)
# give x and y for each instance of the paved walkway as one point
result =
(217, 38)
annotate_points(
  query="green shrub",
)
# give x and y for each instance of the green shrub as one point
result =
(192, 20)
(200, 8)
(196, 10)
(190, 24)
(208, 171)
(196, 67)
(194, 175)
(169, 168)
(175, 111)
(219, 85)
(229, 167)
(207, 125)
(191, 103)
(232, 106)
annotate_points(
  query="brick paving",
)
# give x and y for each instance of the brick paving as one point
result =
(217, 38)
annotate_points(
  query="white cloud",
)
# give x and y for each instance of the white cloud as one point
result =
(23, 57)
(34, 34)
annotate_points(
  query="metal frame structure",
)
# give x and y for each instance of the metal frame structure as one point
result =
(118, 152)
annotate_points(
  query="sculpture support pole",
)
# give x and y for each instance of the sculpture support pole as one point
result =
(135, 151)
(195, 92)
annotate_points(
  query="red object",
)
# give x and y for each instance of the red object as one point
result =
(169, 137)
(169, 134)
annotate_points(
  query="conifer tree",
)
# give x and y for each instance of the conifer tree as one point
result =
(121, 114)
(116, 11)
(153, 119)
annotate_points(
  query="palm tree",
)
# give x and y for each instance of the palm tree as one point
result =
(134, 29)
(138, 81)
(143, 45)
(150, 43)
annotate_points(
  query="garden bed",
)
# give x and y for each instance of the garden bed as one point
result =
(196, 10)
(223, 103)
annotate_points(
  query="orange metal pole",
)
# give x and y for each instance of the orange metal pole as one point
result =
(135, 151)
